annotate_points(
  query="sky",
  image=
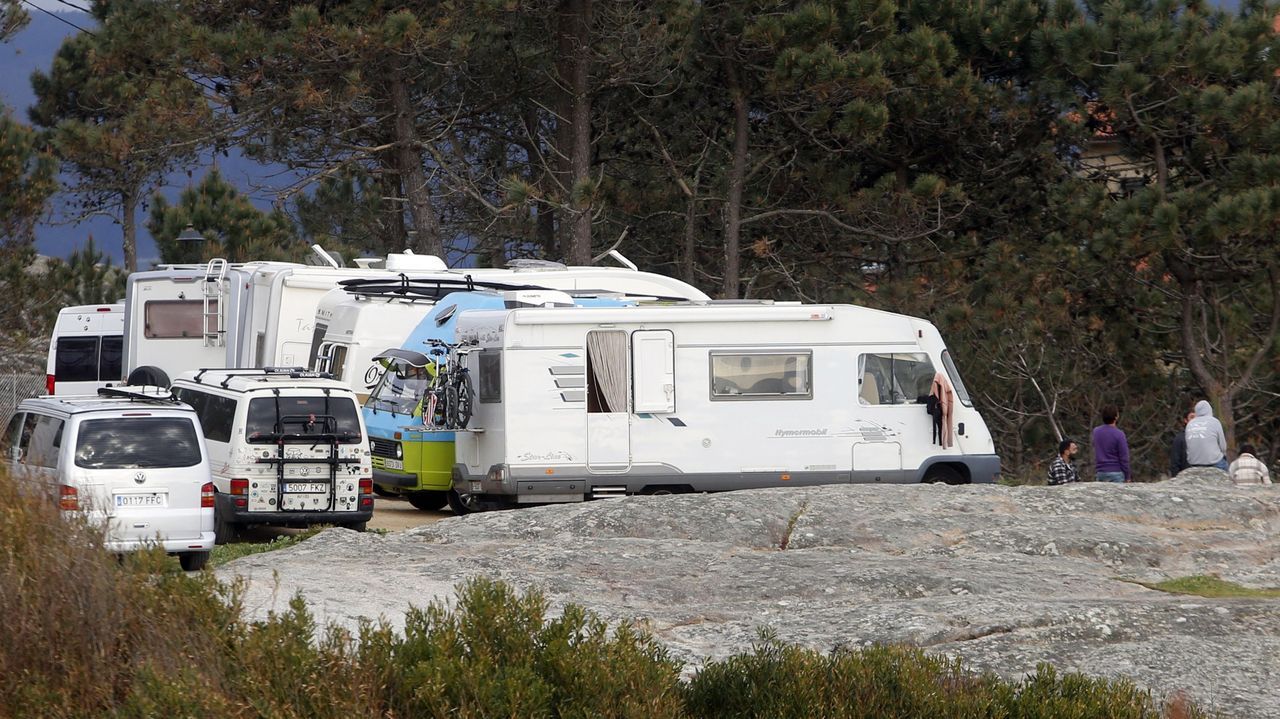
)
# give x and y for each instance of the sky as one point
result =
(59, 234)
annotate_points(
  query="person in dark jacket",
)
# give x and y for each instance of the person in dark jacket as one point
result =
(1178, 449)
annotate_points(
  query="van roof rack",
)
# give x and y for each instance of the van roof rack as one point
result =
(138, 395)
(264, 372)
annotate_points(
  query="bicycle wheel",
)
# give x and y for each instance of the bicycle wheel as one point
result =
(465, 396)
(433, 415)
(451, 404)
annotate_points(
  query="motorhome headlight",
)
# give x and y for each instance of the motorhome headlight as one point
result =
(399, 451)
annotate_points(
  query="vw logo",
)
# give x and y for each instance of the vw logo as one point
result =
(140, 477)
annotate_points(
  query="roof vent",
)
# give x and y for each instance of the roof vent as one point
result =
(536, 298)
(407, 261)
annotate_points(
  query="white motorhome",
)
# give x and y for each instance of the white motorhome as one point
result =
(361, 319)
(583, 402)
(255, 314)
(85, 349)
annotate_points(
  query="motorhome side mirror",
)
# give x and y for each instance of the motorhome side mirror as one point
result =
(960, 429)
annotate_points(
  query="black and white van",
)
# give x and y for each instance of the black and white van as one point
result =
(131, 459)
(288, 447)
(86, 350)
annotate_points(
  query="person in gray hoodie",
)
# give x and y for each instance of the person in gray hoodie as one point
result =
(1206, 443)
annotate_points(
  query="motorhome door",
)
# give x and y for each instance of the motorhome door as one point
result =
(608, 411)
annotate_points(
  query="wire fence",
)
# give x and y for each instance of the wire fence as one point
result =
(14, 388)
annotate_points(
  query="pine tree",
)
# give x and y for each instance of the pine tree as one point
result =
(234, 229)
(118, 111)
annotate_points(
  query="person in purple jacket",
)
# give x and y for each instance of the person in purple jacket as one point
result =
(1110, 448)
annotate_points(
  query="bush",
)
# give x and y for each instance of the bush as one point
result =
(90, 635)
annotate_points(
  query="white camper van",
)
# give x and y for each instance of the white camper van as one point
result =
(85, 349)
(288, 448)
(582, 402)
(130, 459)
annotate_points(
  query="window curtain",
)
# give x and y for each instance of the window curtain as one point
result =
(607, 352)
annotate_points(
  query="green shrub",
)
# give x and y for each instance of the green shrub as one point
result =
(90, 635)
(781, 681)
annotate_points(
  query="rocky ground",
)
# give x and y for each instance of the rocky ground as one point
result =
(1005, 577)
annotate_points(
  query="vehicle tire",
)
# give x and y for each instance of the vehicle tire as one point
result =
(149, 375)
(355, 526)
(943, 474)
(223, 531)
(463, 402)
(427, 501)
(193, 561)
(463, 503)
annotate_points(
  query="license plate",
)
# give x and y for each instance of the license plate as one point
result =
(475, 488)
(155, 499)
(393, 463)
(306, 487)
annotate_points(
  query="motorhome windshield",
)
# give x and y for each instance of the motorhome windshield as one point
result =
(137, 443)
(400, 390)
(269, 417)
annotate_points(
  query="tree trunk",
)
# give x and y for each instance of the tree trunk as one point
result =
(128, 223)
(413, 179)
(689, 243)
(578, 37)
(737, 178)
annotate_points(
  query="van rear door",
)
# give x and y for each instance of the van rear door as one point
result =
(145, 471)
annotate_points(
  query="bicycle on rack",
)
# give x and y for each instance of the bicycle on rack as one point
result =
(449, 398)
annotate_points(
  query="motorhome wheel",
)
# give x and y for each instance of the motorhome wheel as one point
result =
(193, 561)
(148, 375)
(427, 501)
(223, 531)
(463, 503)
(943, 474)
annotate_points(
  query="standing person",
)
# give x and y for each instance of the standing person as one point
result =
(1248, 469)
(1061, 470)
(1110, 448)
(1178, 449)
(1206, 443)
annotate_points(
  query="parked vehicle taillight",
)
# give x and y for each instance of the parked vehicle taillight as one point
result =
(49, 382)
(366, 493)
(68, 498)
(240, 492)
(206, 495)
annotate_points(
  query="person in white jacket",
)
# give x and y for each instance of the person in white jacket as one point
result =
(1206, 442)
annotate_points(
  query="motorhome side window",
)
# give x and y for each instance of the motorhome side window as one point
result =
(489, 373)
(216, 413)
(269, 416)
(171, 319)
(10, 443)
(894, 377)
(962, 393)
(761, 375)
(46, 438)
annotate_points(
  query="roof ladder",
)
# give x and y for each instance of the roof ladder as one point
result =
(214, 321)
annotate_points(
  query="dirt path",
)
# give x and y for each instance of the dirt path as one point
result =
(394, 515)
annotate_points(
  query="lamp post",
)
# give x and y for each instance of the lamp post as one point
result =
(190, 238)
